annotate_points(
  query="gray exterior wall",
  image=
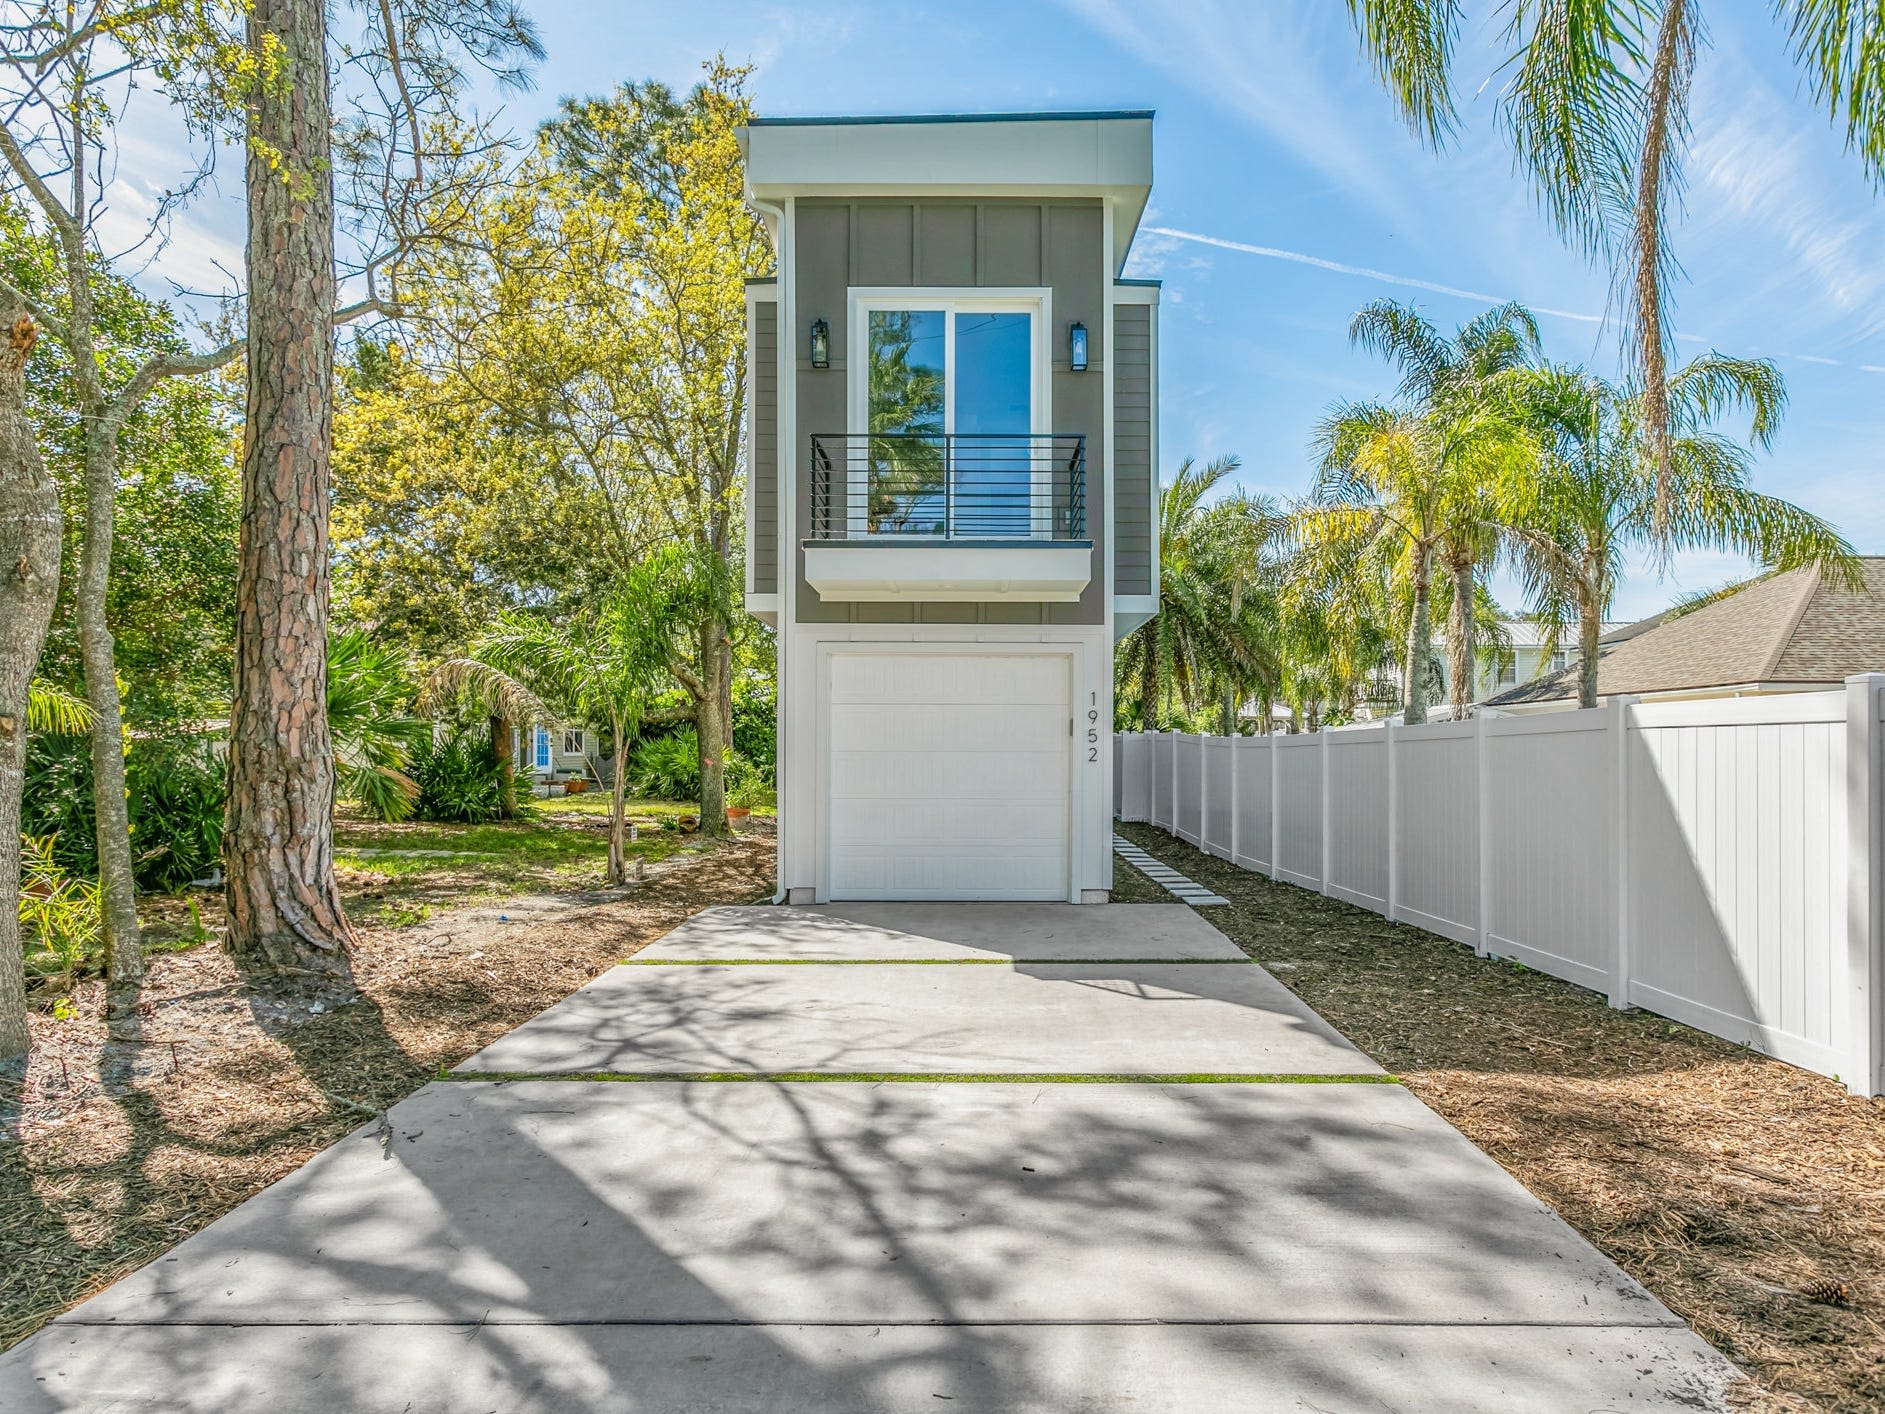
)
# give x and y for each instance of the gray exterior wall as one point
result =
(763, 547)
(1133, 494)
(961, 242)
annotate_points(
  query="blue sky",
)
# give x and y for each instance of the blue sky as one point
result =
(1287, 195)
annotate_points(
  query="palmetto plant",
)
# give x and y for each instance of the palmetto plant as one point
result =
(369, 711)
(1595, 102)
(1593, 491)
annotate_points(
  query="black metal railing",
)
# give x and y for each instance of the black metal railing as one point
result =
(949, 486)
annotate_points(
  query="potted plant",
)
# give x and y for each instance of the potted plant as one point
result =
(576, 785)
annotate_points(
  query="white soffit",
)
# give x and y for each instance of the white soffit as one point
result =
(1076, 154)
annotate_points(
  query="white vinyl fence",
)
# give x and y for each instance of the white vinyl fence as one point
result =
(1716, 862)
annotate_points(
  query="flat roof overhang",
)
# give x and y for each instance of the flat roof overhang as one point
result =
(1105, 155)
(881, 571)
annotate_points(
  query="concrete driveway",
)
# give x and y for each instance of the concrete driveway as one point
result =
(691, 1187)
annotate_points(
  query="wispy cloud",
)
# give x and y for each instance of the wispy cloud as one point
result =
(1757, 168)
(1287, 70)
(1364, 272)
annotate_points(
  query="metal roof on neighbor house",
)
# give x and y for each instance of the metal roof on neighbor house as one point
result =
(1794, 628)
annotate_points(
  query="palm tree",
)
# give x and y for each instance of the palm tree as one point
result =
(601, 667)
(1594, 492)
(1210, 630)
(369, 701)
(1391, 488)
(54, 710)
(1595, 102)
(1446, 380)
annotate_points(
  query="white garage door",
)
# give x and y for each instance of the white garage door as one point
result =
(948, 776)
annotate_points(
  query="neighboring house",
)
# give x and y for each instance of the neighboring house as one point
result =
(553, 751)
(1533, 656)
(953, 452)
(1793, 632)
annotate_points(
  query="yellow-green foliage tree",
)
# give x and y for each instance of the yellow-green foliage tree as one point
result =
(596, 328)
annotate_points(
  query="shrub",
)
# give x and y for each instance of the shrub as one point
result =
(668, 767)
(747, 786)
(56, 806)
(755, 721)
(176, 787)
(60, 921)
(457, 779)
(178, 791)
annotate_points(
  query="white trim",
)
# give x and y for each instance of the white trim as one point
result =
(749, 439)
(1035, 301)
(875, 570)
(785, 777)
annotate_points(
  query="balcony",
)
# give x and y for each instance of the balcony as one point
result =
(948, 517)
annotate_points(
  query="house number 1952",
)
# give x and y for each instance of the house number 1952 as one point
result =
(1093, 729)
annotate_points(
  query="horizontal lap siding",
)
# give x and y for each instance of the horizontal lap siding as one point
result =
(1132, 449)
(764, 545)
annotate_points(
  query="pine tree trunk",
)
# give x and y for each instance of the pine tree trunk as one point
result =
(1459, 639)
(284, 904)
(30, 531)
(117, 886)
(713, 725)
(1419, 643)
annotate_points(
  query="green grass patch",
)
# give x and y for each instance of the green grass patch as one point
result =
(894, 1077)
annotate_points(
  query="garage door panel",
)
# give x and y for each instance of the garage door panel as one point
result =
(948, 775)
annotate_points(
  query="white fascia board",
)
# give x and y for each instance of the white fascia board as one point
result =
(1101, 156)
(765, 608)
(862, 572)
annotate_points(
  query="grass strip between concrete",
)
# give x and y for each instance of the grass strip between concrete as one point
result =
(915, 1077)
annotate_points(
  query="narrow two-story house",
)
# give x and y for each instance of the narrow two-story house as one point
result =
(952, 494)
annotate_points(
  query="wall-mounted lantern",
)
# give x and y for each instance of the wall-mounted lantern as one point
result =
(1076, 347)
(821, 344)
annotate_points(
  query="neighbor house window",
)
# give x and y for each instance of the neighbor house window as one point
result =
(951, 392)
(572, 741)
(1560, 661)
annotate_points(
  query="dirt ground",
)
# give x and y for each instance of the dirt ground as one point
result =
(1748, 1195)
(111, 1153)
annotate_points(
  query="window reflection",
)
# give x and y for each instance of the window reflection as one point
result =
(977, 480)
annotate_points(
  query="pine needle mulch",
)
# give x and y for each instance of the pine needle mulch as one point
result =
(109, 1155)
(1748, 1195)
